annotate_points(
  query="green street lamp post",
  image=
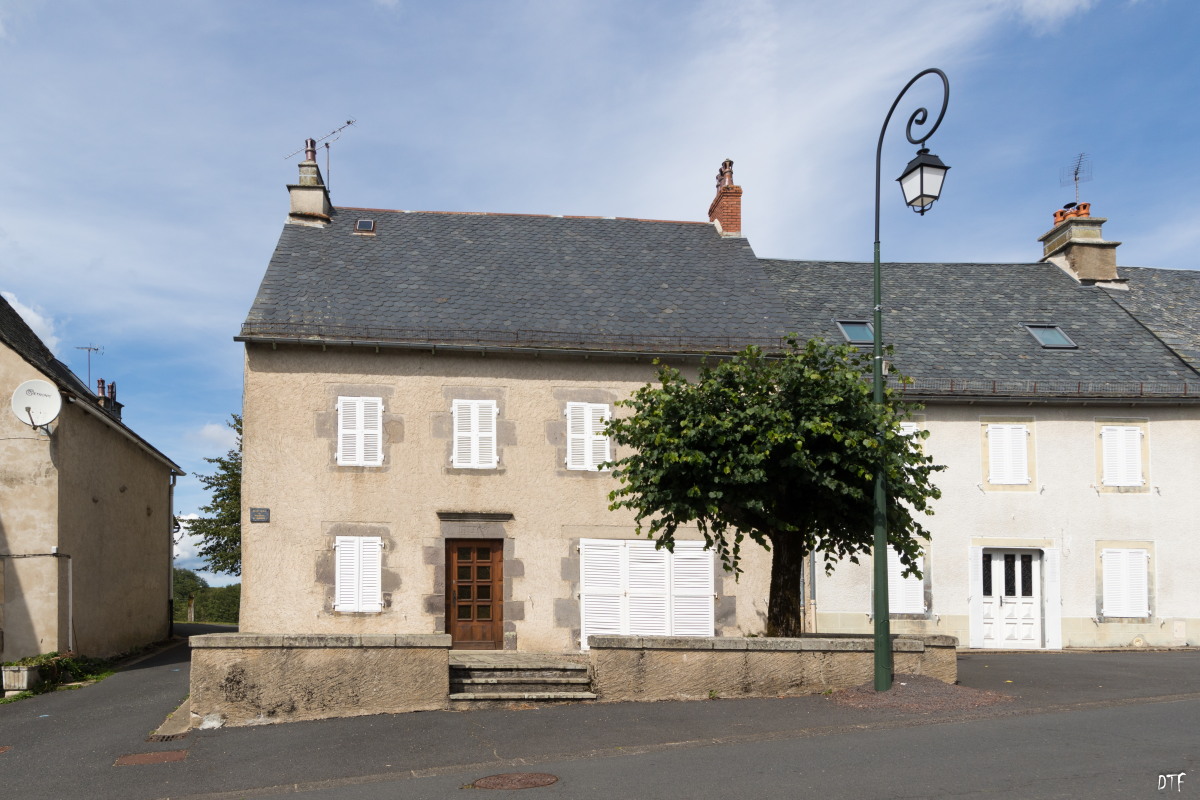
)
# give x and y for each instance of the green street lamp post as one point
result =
(921, 184)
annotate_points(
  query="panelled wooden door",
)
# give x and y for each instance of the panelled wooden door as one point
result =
(475, 593)
(1012, 599)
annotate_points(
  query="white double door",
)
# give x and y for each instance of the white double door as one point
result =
(1011, 591)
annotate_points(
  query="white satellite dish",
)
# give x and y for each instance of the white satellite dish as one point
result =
(37, 403)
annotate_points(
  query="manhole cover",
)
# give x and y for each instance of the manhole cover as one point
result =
(165, 737)
(515, 780)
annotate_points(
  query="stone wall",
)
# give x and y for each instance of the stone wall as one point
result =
(254, 679)
(684, 668)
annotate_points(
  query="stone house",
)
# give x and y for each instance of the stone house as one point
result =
(424, 395)
(86, 518)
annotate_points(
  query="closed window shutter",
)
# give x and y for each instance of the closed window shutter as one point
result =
(1008, 454)
(905, 595)
(485, 448)
(692, 607)
(647, 589)
(598, 446)
(601, 588)
(370, 570)
(372, 431)
(1122, 446)
(1126, 576)
(908, 428)
(360, 431)
(474, 423)
(348, 572)
(462, 454)
(577, 436)
(349, 430)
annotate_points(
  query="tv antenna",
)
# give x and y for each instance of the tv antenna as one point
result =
(1077, 172)
(91, 349)
(335, 134)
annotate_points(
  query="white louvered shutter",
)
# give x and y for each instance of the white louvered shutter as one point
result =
(346, 569)
(360, 431)
(1008, 454)
(370, 572)
(372, 431)
(905, 595)
(474, 434)
(1122, 446)
(462, 411)
(908, 428)
(577, 436)
(647, 585)
(692, 602)
(601, 592)
(486, 413)
(1126, 582)
(598, 445)
(349, 430)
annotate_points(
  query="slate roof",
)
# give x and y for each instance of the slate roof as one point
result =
(1167, 302)
(959, 328)
(516, 280)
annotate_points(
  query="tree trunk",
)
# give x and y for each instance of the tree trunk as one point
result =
(785, 610)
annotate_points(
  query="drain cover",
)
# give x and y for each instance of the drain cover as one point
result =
(515, 780)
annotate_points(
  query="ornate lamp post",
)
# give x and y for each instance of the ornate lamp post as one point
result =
(921, 184)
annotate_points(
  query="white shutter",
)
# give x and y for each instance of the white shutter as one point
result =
(647, 589)
(360, 431)
(975, 599)
(905, 595)
(692, 601)
(370, 571)
(372, 431)
(577, 436)
(1126, 583)
(601, 591)
(486, 413)
(1122, 446)
(908, 428)
(598, 446)
(349, 430)
(346, 555)
(1008, 454)
(358, 573)
(474, 423)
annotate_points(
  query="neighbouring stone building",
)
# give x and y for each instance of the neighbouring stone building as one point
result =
(86, 516)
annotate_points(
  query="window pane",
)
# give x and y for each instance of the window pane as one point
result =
(464, 592)
(1010, 575)
(464, 611)
(483, 591)
(1050, 336)
(464, 553)
(987, 574)
(464, 573)
(483, 553)
(483, 613)
(857, 332)
(483, 573)
(1026, 575)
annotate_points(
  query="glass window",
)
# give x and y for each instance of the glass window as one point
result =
(857, 331)
(1050, 336)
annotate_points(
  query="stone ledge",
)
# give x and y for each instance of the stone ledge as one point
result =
(900, 644)
(320, 641)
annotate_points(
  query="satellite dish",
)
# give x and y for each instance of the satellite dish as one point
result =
(36, 403)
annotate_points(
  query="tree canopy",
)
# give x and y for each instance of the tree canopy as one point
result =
(781, 449)
(220, 527)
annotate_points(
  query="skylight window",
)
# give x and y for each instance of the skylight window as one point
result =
(856, 331)
(364, 226)
(1051, 337)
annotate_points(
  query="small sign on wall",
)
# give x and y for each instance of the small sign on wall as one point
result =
(260, 515)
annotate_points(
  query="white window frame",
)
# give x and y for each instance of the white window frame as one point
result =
(1121, 455)
(905, 595)
(629, 588)
(1008, 453)
(358, 586)
(360, 431)
(474, 424)
(588, 445)
(1125, 573)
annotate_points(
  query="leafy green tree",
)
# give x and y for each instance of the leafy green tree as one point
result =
(186, 583)
(220, 529)
(780, 449)
(219, 603)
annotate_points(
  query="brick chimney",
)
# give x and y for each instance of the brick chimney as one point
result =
(1076, 245)
(726, 208)
(106, 397)
(309, 198)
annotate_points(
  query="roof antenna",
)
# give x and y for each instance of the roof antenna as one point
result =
(1077, 172)
(91, 349)
(336, 135)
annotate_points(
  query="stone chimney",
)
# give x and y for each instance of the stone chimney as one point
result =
(1076, 245)
(726, 208)
(106, 397)
(309, 198)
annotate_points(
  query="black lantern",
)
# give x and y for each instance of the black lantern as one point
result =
(922, 180)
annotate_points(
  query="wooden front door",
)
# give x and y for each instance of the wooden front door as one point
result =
(1012, 599)
(475, 593)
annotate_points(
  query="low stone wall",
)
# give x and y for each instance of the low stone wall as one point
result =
(691, 668)
(253, 679)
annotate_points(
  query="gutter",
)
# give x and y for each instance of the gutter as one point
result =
(1023, 400)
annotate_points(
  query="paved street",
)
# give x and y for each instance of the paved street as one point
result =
(1084, 724)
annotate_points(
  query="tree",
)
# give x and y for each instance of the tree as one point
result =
(220, 530)
(186, 584)
(782, 449)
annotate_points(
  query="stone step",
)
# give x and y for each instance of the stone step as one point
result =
(526, 685)
(523, 696)
(506, 672)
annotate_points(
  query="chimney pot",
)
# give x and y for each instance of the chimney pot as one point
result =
(726, 208)
(1076, 244)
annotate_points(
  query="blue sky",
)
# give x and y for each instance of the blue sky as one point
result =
(144, 144)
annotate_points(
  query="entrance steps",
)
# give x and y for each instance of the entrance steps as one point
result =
(493, 678)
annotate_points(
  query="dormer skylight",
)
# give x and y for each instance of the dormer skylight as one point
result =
(856, 331)
(1051, 337)
(364, 226)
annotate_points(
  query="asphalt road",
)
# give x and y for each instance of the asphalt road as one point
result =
(1083, 725)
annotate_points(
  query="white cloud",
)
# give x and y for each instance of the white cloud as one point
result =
(220, 436)
(42, 324)
(1045, 16)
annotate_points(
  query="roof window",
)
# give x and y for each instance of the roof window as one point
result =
(856, 331)
(364, 226)
(1051, 337)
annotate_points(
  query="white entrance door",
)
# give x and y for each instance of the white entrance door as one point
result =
(1012, 598)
